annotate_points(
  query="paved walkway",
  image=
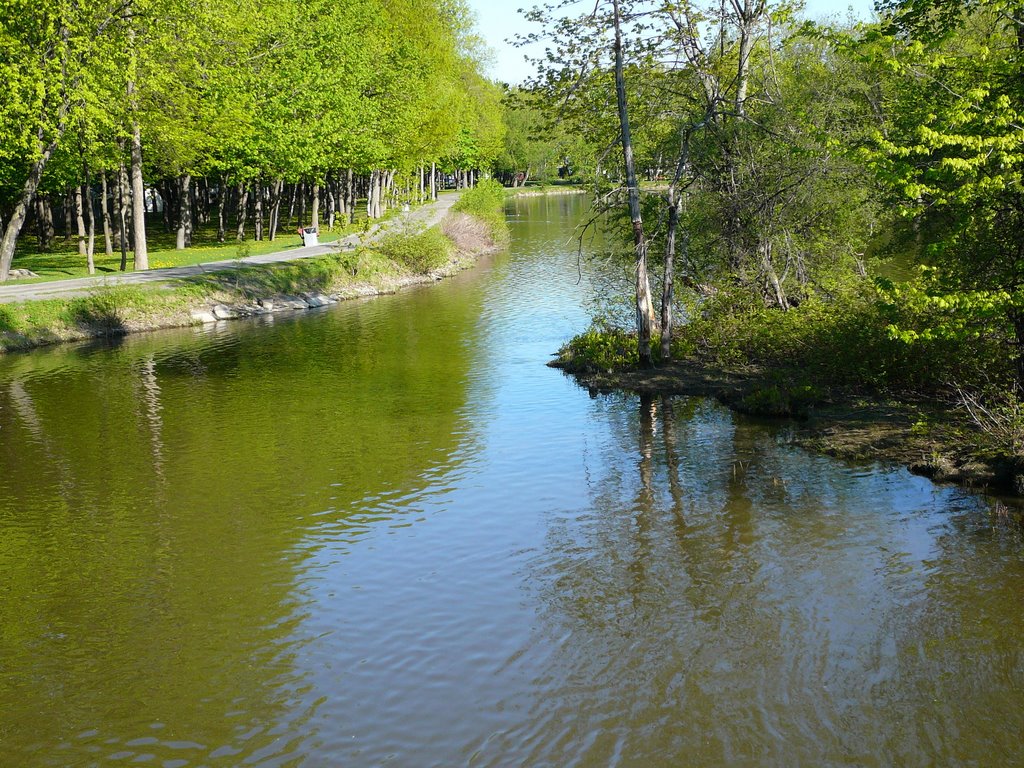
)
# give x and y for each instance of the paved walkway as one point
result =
(428, 215)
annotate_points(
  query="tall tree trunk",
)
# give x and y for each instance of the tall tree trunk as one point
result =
(371, 211)
(258, 210)
(350, 194)
(343, 195)
(644, 306)
(122, 214)
(91, 245)
(138, 198)
(170, 198)
(44, 222)
(314, 215)
(108, 227)
(750, 12)
(184, 234)
(275, 207)
(331, 204)
(765, 249)
(433, 181)
(243, 206)
(302, 204)
(668, 280)
(80, 219)
(291, 206)
(28, 189)
(222, 208)
(69, 214)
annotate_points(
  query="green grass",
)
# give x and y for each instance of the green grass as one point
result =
(63, 262)
(486, 201)
(113, 309)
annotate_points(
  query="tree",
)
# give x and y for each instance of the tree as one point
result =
(951, 151)
(47, 48)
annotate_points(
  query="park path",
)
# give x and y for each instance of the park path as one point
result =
(427, 215)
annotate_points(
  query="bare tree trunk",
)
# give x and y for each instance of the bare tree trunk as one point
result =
(350, 191)
(433, 181)
(184, 234)
(343, 186)
(765, 248)
(371, 211)
(108, 227)
(302, 204)
(170, 199)
(751, 11)
(91, 246)
(331, 204)
(644, 306)
(69, 215)
(243, 205)
(275, 207)
(315, 212)
(28, 191)
(222, 208)
(44, 223)
(79, 219)
(258, 210)
(138, 199)
(122, 214)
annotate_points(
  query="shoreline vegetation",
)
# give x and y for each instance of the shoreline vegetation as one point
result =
(404, 257)
(933, 435)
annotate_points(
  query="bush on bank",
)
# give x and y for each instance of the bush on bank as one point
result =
(486, 201)
(866, 339)
(420, 251)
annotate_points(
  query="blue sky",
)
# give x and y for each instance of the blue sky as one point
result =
(498, 20)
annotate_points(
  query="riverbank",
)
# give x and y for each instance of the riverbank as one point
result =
(231, 290)
(927, 436)
(545, 191)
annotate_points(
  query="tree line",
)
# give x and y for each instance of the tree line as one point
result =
(788, 154)
(242, 112)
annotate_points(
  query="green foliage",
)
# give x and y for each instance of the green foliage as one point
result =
(950, 154)
(486, 201)
(599, 348)
(420, 251)
(846, 339)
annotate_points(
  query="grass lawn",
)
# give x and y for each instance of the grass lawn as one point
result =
(63, 261)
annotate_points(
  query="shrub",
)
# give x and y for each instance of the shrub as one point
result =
(421, 251)
(486, 201)
(599, 349)
(845, 339)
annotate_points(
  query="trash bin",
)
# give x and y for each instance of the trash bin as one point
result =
(309, 236)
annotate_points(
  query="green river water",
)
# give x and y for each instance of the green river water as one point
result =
(384, 533)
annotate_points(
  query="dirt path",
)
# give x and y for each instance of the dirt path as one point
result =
(428, 215)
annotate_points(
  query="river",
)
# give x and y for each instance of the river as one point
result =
(384, 533)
